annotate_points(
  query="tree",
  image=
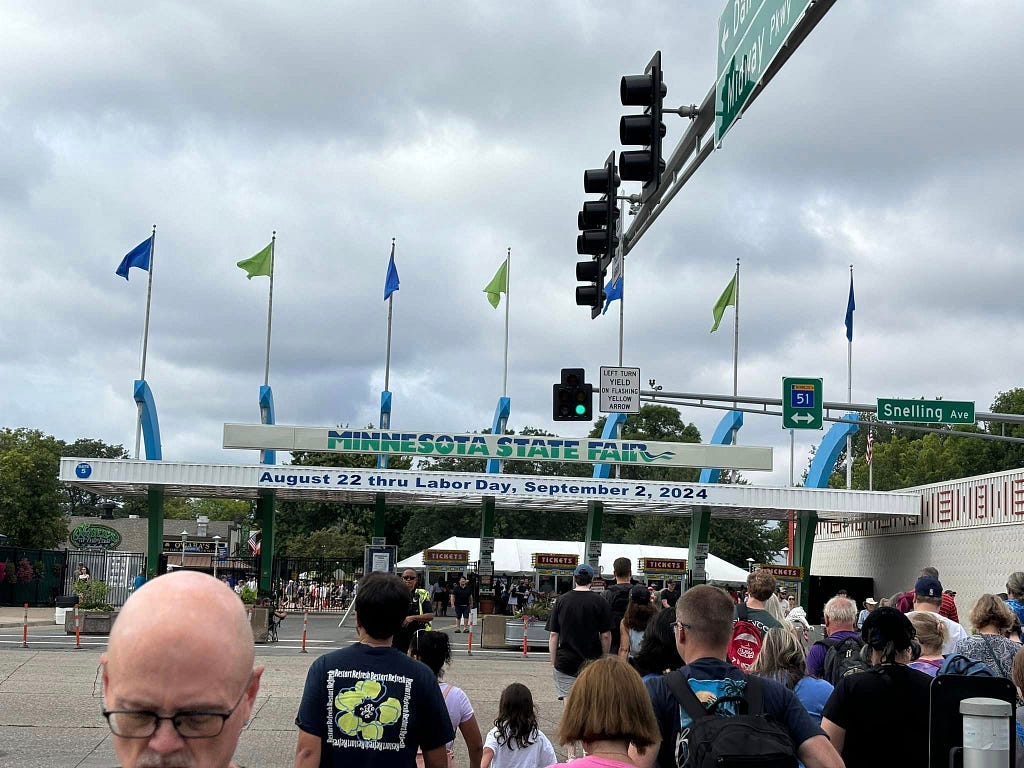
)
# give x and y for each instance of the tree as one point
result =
(30, 513)
(327, 543)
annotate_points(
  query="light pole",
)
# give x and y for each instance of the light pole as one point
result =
(216, 554)
(750, 565)
(184, 538)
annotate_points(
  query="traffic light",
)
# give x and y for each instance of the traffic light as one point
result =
(597, 239)
(572, 398)
(648, 91)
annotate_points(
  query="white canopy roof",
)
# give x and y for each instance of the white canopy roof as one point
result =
(513, 556)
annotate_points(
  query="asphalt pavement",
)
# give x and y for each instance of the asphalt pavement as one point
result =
(51, 693)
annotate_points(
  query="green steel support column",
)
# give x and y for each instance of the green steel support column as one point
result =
(155, 515)
(265, 513)
(700, 533)
(806, 523)
(595, 519)
(378, 515)
(487, 517)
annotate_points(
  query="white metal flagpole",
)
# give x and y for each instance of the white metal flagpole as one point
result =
(387, 359)
(736, 339)
(508, 294)
(270, 309)
(849, 396)
(145, 339)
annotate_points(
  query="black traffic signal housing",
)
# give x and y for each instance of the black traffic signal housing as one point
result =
(572, 398)
(598, 237)
(648, 91)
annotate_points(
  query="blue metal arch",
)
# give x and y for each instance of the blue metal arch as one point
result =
(501, 414)
(385, 423)
(825, 458)
(730, 423)
(267, 417)
(150, 422)
(612, 429)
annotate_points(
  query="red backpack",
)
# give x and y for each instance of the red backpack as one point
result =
(745, 644)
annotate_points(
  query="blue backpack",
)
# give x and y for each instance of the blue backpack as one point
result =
(958, 664)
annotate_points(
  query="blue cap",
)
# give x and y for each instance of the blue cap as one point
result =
(928, 586)
(584, 569)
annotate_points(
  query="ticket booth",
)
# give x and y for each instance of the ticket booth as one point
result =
(790, 578)
(557, 570)
(444, 562)
(662, 570)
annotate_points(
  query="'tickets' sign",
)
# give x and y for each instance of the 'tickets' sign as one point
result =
(654, 565)
(446, 557)
(556, 562)
(788, 572)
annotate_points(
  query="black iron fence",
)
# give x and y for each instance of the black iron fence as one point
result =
(319, 584)
(33, 576)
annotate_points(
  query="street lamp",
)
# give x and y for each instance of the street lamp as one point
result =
(216, 553)
(184, 538)
(750, 565)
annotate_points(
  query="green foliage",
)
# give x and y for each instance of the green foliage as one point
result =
(30, 495)
(539, 611)
(248, 595)
(327, 543)
(92, 595)
(233, 510)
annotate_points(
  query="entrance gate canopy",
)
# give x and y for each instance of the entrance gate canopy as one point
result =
(462, 489)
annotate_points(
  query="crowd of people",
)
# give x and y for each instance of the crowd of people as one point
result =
(705, 677)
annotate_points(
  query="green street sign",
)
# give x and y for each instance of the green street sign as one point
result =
(926, 411)
(801, 404)
(750, 33)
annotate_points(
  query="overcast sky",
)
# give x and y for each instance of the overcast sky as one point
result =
(888, 141)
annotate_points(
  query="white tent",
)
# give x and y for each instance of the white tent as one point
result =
(513, 556)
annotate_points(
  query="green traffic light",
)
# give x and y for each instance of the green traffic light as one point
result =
(581, 409)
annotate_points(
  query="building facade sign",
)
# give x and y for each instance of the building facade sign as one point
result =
(94, 536)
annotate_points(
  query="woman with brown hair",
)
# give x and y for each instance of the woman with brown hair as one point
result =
(991, 618)
(639, 612)
(610, 712)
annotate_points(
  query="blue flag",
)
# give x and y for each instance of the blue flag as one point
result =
(391, 281)
(850, 306)
(612, 291)
(137, 257)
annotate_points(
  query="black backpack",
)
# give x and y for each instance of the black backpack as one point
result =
(747, 738)
(842, 658)
(617, 596)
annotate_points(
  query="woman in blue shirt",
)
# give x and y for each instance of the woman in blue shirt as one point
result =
(782, 659)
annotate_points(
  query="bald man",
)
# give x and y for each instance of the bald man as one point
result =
(178, 675)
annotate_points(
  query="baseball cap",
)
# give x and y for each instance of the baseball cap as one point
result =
(871, 601)
(584, 569)
(639, 594)
(928, 586)
(887, 625)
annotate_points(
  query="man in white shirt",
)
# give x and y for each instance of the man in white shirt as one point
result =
(928, 598)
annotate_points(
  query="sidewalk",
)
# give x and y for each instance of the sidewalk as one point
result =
(14, 616)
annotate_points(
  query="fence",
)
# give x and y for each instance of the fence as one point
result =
(117, 569)
(319, 584)
(31, 576)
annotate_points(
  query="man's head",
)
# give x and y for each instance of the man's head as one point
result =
(927, 594)
(463, 581)
(584, 574)
(622, 568)
(704, 617)
(760, 585)
(870, 604)
(382, 604)
(181, 645)
(410, 578)
(840, 614)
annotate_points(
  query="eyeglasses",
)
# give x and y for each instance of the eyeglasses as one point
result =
(408, 578)
(677, 624)
(141, 724)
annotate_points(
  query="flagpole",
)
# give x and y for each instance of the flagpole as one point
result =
(145, 339)
(508, 294)
(387, 358)
(849, 397)
(270, 309)
(736, 340)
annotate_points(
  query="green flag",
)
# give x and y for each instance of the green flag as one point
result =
(498, 285)
(260, 264)
(728, 298)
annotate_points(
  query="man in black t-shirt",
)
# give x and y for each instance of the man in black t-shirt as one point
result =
(462, 602)
(617, 596)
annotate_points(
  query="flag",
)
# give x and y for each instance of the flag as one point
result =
(260, 264)
(498, 285)
(136, 257)
(255, 539)
(850, 306)
(728, 298)
(869, 453)
(391, 279)
(612, 291)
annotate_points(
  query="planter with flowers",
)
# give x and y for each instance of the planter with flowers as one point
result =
(96, 614)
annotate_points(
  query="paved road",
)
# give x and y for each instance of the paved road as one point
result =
(51, 694)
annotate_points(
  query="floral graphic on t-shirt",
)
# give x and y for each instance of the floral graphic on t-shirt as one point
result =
(365, 709)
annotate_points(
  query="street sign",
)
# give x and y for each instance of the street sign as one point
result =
(926, 411)
(801, 404)
(620, 390)
(486, 545)
(593, 551)
(750, 33)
